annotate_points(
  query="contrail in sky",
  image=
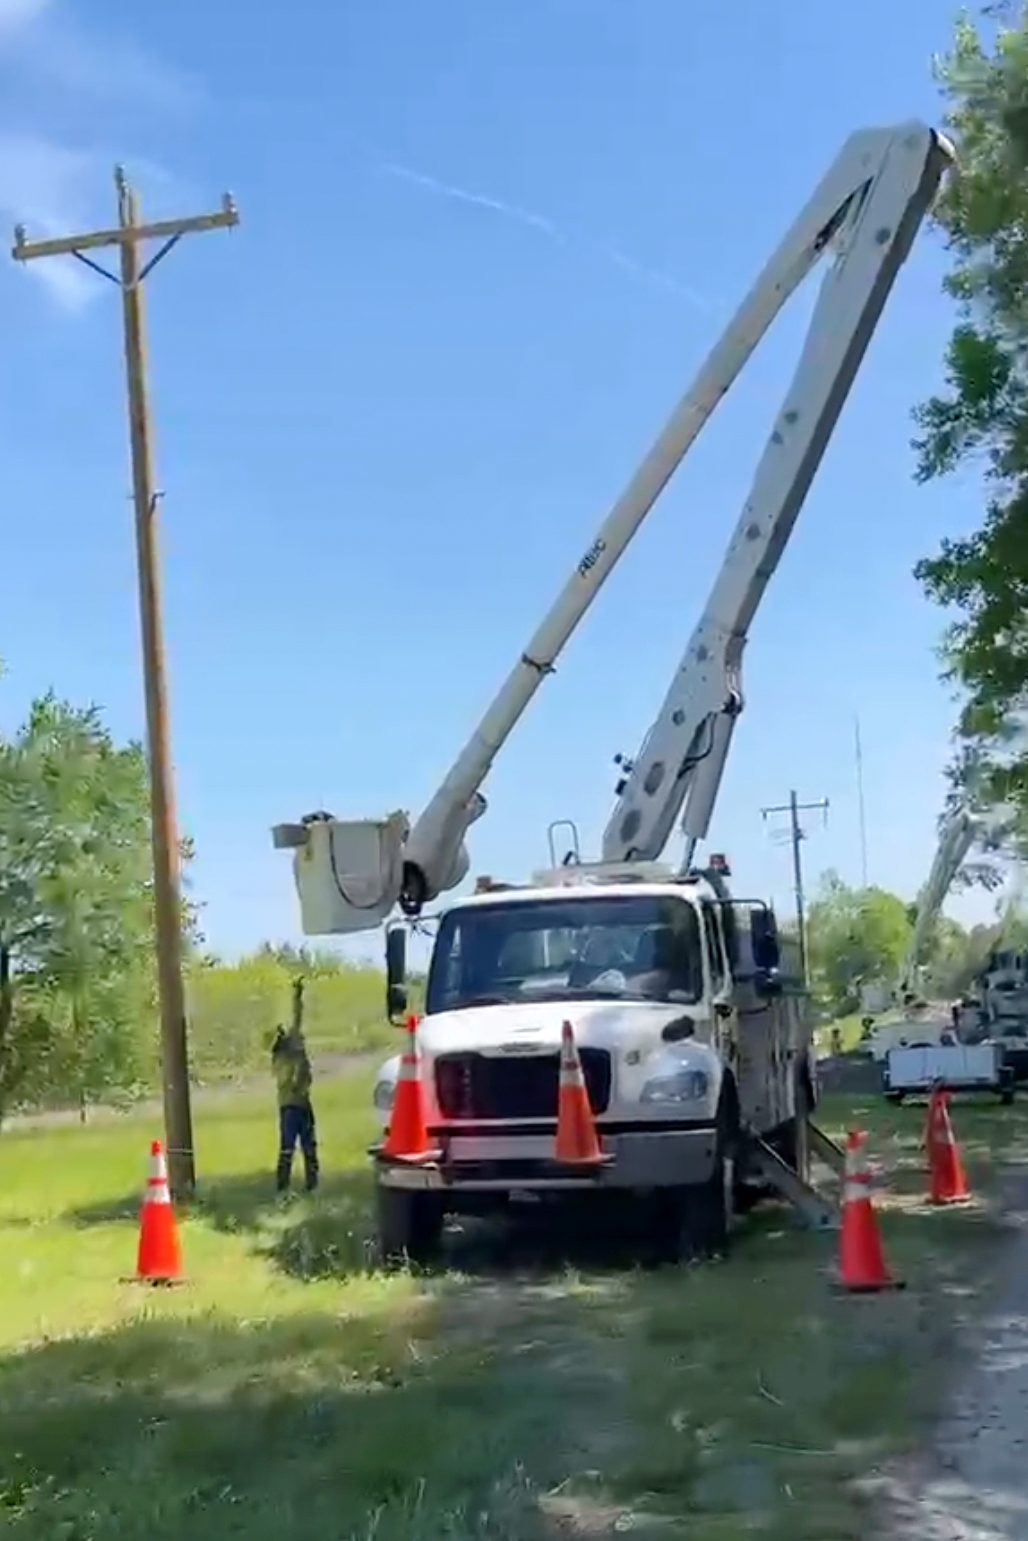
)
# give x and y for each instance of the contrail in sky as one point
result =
(548, 228)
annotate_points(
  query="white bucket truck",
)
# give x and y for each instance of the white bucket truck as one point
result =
(695, 1042)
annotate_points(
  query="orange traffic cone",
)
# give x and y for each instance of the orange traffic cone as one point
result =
(947, 1180)
(578, 1144)
(159, 1259)
(407, 1139)
(862, 1267)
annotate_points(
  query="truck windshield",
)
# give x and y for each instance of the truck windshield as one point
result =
(637, 947)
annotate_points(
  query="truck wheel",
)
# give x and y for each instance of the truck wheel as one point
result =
(695, 1222)
(410, 1225)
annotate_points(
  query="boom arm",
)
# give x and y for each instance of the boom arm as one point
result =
(349, 874)
(958, 836)
(867, 210)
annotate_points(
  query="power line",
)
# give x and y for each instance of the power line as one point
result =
(129, 236)
(796, 837)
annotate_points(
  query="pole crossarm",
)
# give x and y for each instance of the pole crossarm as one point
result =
(817, 807)
(226, 218)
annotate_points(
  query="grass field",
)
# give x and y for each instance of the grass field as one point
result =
(289, 1390)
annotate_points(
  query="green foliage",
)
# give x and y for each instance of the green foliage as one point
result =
(859, 936)
(980, 421)
(854, 935)
(74, 905)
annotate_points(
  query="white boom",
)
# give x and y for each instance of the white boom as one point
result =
(867, 210)
(958, 835)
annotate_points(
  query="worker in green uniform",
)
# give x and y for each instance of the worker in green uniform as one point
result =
(291, 1066)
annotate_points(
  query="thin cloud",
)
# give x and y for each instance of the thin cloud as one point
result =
(657, 276)
(477, 200)
(55, 187)
(17, 14)
(64, 54)
(547, 227)
(41, 187)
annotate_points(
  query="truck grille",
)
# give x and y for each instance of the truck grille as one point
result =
(472, 1086)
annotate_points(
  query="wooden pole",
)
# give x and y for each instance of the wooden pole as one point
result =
(129, 237)
(178, 1115)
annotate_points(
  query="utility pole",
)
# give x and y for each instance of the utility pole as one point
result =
(796, 836)
(128, 236)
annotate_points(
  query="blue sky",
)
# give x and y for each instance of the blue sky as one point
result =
(390, 416)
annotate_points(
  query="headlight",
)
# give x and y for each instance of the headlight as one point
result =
(383, 1095)
(683, 1086)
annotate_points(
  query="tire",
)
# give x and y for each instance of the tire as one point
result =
(410, 1226)
(695, 1222)
(896, 1098)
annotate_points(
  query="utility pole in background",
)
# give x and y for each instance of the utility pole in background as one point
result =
(861, 809)
(128, 236)
(796, 836)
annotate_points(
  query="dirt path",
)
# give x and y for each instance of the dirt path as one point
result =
(973, 1484)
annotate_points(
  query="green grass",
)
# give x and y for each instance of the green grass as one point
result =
(291, 1390)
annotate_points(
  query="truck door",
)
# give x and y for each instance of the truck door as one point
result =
(719, 985)
(763, 1016)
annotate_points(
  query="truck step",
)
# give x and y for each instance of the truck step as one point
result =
(825, 1148)
(812, 1207)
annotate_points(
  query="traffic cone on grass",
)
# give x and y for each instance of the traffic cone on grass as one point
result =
(862, 1268)
(407, 1138)
(947, 1180)
(578, 1143)
(159, 1260)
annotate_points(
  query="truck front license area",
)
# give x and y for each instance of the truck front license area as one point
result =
(648, 1156)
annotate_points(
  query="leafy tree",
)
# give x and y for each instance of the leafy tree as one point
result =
(75, 905)
(953, 957)
(854, 935)
(980, 420)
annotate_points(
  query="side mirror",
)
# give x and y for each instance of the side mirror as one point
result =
(396, 973)
(767, 957)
